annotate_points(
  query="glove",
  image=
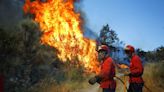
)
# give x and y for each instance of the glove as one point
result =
(127, 74)
(92, 80)
(98, 79)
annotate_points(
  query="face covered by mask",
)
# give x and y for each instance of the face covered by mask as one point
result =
(101, 55)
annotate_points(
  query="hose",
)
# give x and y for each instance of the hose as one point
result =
(147, 88)
(126, 86)
(122, 82)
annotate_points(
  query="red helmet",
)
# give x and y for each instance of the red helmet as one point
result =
(103, 47)
(129, 48)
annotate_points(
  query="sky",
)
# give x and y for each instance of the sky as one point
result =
(137, 22)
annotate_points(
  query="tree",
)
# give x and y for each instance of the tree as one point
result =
(156, 56)
(160, 53)
(108, 36)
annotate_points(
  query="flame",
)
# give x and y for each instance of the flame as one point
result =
(61, 28)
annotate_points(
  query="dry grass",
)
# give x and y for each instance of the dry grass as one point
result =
(49, 85)
(154, 77)
(74, 81)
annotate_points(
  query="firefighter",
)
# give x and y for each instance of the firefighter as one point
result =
(136, 70)
(106, 76)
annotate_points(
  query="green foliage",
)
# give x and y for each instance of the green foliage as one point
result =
(32, 64)
(108, 36)
(156, 56)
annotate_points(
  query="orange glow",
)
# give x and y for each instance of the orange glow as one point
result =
(61, 27)
(123, 66)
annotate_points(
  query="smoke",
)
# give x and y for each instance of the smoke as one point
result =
(10, 13)
(89, 33)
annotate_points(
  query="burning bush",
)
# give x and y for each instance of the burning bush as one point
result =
(28, 65)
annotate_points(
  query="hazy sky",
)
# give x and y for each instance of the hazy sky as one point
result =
(137, 22)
